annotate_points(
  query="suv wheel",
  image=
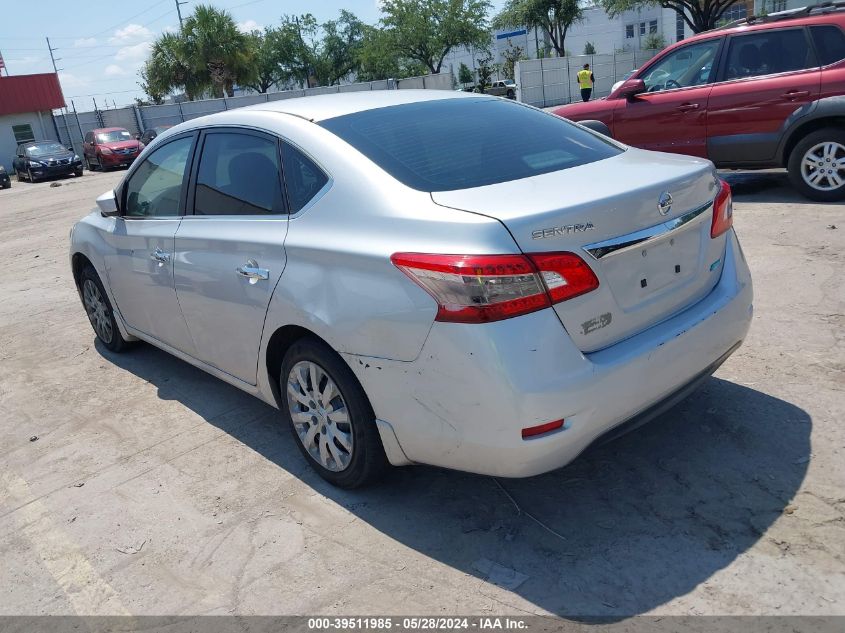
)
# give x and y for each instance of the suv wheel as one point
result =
(329, 415)
(817, 165)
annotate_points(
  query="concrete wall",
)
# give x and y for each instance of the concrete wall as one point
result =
(42, 128)
(551, 81)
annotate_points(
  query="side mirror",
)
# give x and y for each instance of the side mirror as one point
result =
(137, 137)
(70, 148)
(629, 88)
(108, 204)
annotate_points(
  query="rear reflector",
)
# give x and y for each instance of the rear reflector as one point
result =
(723, 211)
(533, 431)
(486, 288)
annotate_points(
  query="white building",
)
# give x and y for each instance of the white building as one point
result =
(626, 32)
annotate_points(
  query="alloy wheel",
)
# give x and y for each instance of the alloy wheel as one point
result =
(98, 311)
(320, 416)
(823, 166)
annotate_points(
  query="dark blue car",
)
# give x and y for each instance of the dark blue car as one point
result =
(45, 159)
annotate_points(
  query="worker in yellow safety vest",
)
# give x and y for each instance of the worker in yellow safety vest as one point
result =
(585, 82)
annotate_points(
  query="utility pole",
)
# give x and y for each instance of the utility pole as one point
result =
(179, 12)
(64, 110)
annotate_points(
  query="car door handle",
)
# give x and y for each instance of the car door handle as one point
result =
(688, 107)
(251, 271)
(796, 94)
(160, 256)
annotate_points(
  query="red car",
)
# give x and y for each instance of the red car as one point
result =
(110, 147)
(765, 92)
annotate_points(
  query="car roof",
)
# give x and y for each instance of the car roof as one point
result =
(830, 13)
(329, 106)
(109, 129)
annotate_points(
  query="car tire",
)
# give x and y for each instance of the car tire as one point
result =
(18, 176)
(827, 147)
(99, 310)
(78, 172)
(344, 449)
(29, 176)
(511, 94)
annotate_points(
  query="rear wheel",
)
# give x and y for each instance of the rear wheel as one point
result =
(99, 310)
(511, 94)
(329, 415)
(817, 165)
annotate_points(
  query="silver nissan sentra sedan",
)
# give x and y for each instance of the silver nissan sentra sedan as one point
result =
(421, 276)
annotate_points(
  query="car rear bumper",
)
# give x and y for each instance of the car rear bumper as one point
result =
(464, 401)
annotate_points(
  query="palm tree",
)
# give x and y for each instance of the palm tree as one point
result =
(169, 68)
(220, 54)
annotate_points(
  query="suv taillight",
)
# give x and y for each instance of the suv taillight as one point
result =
(485, 288)
(723, 210)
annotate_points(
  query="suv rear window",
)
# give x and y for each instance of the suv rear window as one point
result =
(451, 144)
(830, 43)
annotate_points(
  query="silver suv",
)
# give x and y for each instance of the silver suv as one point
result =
(409, 285)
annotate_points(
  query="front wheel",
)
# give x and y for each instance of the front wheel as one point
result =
(817, 165)
(99, 310)
(329, 415)
(29, 176)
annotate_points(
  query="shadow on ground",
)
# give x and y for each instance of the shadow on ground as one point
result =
(765, 186)
(639, 521)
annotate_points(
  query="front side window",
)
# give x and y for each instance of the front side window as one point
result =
(830, 44)
(450, 144)
(685, 67)
(239, 174)
(768, 53)
(155, 188)
(114, 136)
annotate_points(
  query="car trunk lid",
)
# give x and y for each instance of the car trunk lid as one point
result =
(650, 265)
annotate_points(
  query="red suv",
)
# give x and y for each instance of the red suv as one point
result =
(110, 147)
(762, 93)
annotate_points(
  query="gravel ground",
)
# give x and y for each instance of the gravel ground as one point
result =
(153, 488)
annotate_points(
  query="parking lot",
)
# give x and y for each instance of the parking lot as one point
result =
(137, 484)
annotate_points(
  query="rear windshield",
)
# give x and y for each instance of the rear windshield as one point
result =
(453, 144)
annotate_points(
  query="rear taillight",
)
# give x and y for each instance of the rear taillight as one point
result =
(485, 288)
(723, 210)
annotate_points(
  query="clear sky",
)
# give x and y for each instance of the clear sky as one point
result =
(103, 43)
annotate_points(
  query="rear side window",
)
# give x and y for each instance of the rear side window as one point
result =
(768, 53)
(830, 44)
(238, 175)
(451, 144)
(303, 178)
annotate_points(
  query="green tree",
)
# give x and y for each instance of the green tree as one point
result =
(654, 42)
(339, 52)
(484, 71)
(426, 30)
(269, 60)
(464, 74)
(219, 53)
(701, 15)
(321, 55)
(554, 17)
(512, 54)
(589, 49)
